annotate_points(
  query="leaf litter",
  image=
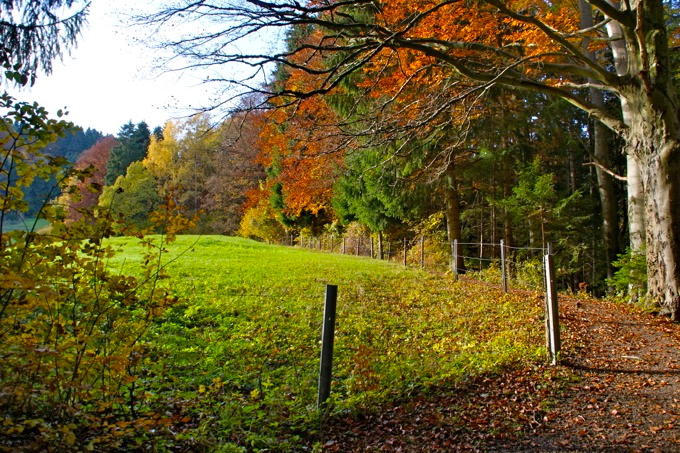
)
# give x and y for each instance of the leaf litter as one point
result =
(617, 388)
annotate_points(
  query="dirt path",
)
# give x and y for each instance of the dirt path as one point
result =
(629, 394)
(618, 389)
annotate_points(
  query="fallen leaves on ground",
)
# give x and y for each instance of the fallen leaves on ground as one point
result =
(617, 388)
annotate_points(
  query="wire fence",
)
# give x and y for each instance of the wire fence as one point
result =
(529, 268)
(521, 267)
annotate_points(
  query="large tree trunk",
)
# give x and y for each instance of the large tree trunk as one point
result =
(662, 203)
(653, 142)
(651, 110)
(623, 48)
(656, 145)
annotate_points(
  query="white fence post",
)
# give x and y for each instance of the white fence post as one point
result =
(552, 322)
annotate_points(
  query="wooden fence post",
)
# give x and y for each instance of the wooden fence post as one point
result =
(552, 322)
(327, 339)
(422, 252)
(372, 247)
(344, 244)
(405, 252)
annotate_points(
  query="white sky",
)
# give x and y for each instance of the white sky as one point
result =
(109, 80)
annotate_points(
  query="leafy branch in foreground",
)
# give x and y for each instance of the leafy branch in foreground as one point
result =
(70, 329)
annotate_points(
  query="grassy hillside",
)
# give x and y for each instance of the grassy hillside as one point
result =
(235, 362)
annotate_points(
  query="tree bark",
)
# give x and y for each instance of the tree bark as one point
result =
(662, 210)
(601, 153)
(452, 213)
(636, 205)
(655, 144)
(651, 110)
(607, 192)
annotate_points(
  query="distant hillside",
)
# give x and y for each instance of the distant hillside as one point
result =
(70, 147)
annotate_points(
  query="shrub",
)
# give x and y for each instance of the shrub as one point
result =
(70, 329)
(630, 280)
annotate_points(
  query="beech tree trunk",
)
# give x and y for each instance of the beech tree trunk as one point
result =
(636, 205)
(651, 110)
(662, 213)
(655, 144)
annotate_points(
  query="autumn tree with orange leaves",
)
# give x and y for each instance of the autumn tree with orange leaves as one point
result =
(302, 149)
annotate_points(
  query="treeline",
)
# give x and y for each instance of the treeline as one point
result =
(204, 169)
(520, 170)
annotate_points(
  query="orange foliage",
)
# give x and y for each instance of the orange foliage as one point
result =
(302, 144)
(473, 31)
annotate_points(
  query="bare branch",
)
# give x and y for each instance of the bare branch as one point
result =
(606, 170)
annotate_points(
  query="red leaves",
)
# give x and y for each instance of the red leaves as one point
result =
(88, 187)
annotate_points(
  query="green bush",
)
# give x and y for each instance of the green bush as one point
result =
(630, 280)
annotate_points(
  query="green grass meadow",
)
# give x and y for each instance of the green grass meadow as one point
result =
(233, 366)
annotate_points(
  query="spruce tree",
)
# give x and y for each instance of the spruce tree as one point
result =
(133, 144)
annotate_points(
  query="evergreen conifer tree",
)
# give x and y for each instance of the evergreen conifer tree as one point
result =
(133, 144)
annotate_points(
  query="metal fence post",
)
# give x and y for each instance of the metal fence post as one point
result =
(455, 259)
(504, 276)
(327, 338)
(552, 310)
